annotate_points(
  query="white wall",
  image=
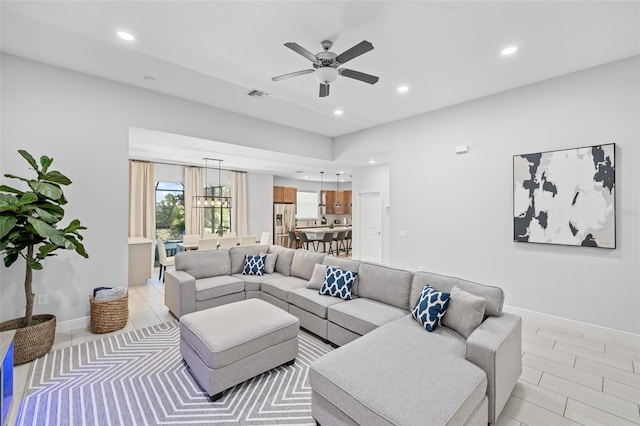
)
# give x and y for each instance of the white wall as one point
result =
(83, 122)
(457, 209)
(372, 179)
(260, 203)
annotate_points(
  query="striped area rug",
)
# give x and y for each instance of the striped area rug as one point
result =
(139, 378)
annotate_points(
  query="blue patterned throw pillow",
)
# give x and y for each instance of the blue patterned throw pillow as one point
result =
(430, 307)
(338, 282)
(254, 265)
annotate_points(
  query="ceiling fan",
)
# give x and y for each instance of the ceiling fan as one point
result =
(326, 64)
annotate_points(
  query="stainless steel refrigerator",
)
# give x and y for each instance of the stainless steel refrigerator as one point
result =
(284, 220)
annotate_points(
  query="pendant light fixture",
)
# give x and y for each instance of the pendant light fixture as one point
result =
(337, 203)
(214, 196)
(321, 204)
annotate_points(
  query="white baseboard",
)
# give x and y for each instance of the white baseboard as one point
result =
(74, 324)
(566, 322)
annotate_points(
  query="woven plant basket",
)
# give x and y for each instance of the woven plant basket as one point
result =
(31, 342)
(109, 315)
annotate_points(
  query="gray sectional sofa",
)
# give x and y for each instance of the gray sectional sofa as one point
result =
(388, 369)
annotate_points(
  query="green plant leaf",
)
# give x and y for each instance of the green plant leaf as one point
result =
(10, 258)
(5, 188)
(29, 158)
(47, 190)
(46, 250)
(56, 177)
(62, 241)
(51, 208)
(79, 247)
(75, 224)
(10, 176)
(34, 264)
(46, 162)
(28, 198)
(46, 216)
(43, 229)
(8, 199)
(6, 224)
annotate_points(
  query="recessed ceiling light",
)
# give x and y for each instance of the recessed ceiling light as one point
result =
(126, 36)
(372, 161)
(402, 89)
(338, 112)
(509, 50)
(341, 171)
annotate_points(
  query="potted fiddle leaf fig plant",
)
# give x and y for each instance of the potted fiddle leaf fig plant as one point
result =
(30, 228)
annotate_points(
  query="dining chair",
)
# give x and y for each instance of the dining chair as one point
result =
(228, 242)
(305, 241)
(229, 234)
(208, 244)
(265, 238)
(190, 238)
(328, 238)
(164, 259)
(294, 241)
(212, 236)
(248, 240)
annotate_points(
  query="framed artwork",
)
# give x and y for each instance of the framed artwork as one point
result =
(566, 197)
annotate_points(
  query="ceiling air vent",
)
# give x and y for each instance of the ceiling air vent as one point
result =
(258, 94)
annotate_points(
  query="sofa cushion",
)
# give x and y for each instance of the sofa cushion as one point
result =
(238, 255)
(270, 263)
(212, 287)
(384, 284)
(347, 265)
(425, 378)
(363, 315)
(465, 312)
(254, 282)
(254, 264)
(285, 257)
(430, 307)
(280, 287)
(338, 282)
(311, 301)
(203, 264)
(317, 278)
(303, 263)
(493, 295)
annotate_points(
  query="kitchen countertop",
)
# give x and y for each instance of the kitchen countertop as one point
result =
(314, 227)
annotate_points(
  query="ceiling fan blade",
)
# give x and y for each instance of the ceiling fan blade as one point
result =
(354, 52)
(302, 51)
(292, 74)
(324, 90)
(357, 75)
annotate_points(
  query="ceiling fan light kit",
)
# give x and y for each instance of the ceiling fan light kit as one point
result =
(327, 64)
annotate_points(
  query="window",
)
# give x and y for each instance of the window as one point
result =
(169, 210)
(217, 220)
(307, 205)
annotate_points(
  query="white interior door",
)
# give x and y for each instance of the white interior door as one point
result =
(370, 224)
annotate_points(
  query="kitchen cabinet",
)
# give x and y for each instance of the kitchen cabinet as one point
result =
(347, 201)
(329, 198)
(285, 194)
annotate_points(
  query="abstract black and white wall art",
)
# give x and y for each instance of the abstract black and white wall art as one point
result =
(565, 197)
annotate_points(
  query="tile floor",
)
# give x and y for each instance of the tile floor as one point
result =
(572, 374)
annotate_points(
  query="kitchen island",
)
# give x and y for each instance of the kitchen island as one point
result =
(315, 234)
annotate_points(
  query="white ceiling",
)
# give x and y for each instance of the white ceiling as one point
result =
(213, 52)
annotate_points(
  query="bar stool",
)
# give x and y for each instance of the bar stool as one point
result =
(305, 241)
(328, 238)
(293, 240)
(339, 240)
(347, 240)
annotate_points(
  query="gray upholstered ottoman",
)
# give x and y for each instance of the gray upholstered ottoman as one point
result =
(228, 344)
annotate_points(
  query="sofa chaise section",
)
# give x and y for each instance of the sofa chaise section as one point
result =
(397, 375)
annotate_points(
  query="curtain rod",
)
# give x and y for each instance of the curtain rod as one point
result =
(185, 165)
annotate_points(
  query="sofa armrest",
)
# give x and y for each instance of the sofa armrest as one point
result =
(180, 292)
(496, 347)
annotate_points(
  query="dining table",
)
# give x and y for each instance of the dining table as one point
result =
(188, 246)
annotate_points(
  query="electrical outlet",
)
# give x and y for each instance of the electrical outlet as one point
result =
(42, 299)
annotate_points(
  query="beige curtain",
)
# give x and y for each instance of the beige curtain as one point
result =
(142, 206)
(239, 203)
(193, 217)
